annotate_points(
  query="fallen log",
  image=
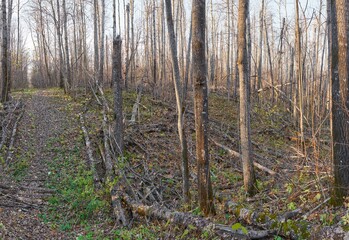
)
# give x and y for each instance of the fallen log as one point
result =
(184, 219)
(238, 155)
(330, 232)
(281, 224)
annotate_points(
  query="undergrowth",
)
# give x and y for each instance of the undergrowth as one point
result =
(80, 208)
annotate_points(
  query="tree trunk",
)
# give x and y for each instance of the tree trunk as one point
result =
(260, 51)
(117, 79)
(9, 60)
(155, 75)
(271, 74)
(340, 101)
(4, 60)
(201, 107)
(67, 60)
(95, 39)
(179, 100)
(247, 162)
(127, 45)
(299, 75)
(100, 79)
(60, 44)
(228, 52)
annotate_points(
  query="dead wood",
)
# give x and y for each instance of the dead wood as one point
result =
(158, 212)
(238, 155)
(316, 208)
(266, 220)
(12, 139)
(330, 232)
(38, 190)
(7, 121)
(136, 106)
(107, 157)
(16, 188)
(91, 159)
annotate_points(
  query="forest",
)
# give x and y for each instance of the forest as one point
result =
(160, 119)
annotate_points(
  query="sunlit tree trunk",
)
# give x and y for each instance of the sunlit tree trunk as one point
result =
(247, 162)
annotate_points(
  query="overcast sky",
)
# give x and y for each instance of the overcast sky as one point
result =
(273, 7)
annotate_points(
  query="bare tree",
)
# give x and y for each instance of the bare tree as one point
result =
(66, 43)
(228, 51)
(95, 38)
(299, 74)
(260, 49)
(100, 79)
(339, 15)
(247, 162)
(117, 79)
(4, 59)
(179, 100)
(201, 106)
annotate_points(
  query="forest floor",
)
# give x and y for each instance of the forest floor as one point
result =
(48, 192)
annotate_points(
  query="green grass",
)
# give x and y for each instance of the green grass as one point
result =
(77, 201)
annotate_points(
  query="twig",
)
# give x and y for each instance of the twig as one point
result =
(316, 208)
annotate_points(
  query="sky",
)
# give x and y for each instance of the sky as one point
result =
(273, 7)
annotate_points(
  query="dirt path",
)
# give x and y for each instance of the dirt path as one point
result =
(23, 199)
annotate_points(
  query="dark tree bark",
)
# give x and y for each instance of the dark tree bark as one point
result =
(9, 31)
(117, 79)
(340, 101)
(201, 106)
(4, 59)
(247, 162)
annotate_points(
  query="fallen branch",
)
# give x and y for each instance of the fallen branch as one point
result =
(7, 122)
(12, 140)
(305, 216)
(91, 159)
(136, 106)
(238, 155)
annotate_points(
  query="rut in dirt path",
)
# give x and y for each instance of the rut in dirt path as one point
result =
(43, 121)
